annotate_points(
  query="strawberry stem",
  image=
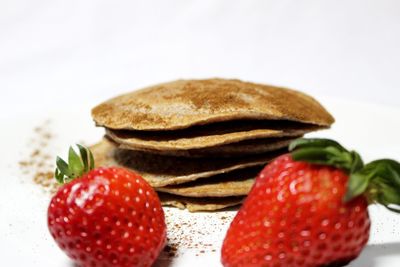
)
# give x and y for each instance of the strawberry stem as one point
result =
(77, 164)
(378, 180)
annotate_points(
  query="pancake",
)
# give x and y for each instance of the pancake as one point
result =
(184, 103)
(236, 183)
(238, 149)
(161, 171)
(208, 135)
(199, 204)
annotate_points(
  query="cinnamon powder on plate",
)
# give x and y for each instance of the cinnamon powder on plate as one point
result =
(38, 164)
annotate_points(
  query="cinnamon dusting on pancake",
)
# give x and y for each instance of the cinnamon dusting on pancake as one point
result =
(184, 103)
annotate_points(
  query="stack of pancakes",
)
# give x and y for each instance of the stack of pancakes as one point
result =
(201, 143)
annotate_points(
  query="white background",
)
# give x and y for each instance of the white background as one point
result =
(55, 52)
(60, 58)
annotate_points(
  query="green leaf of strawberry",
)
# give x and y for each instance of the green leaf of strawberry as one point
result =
(77, 164)
(325, 152)
(383, 179)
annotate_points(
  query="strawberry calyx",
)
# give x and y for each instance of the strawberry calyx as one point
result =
(378, 180)
(325, 152)
(77, 165)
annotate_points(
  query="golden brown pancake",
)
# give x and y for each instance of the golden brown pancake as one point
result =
(235, 183)
(184, 103)
(199, 204)
(161, 171)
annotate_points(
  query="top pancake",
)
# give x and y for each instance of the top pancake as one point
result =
(184, 103)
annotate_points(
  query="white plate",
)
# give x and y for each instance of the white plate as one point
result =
(24, 239)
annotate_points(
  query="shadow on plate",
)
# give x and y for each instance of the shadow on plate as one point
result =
(370, 255)
(368, 258)
(163, 261)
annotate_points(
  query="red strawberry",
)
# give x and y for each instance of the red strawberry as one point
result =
(308, 212)
(107, 217)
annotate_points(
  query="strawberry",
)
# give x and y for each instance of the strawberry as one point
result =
(309, 208)
(105, 217)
